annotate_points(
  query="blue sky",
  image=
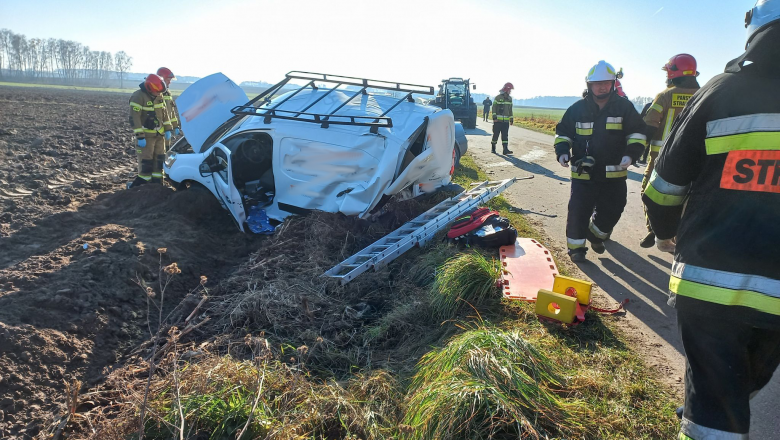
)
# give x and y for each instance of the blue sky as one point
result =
(543, 47)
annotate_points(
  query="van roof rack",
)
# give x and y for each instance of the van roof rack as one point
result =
(326, 119)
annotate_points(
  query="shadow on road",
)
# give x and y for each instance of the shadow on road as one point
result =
(477, 132)
(639, 265)
(533, 168)
(660, 261)
(645, 307)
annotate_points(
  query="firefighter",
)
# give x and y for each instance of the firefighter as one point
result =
(601, 134)
(486, 109)
(721, 163)
(502, 118)
(170, 104)
(666, 107)
(152, 128)
(619, 88)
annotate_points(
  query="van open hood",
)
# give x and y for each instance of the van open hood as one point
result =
(205, 105)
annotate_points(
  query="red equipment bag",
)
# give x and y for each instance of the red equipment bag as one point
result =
(466, 224)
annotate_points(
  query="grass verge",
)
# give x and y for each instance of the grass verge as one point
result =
(394, 354)
(541, 120)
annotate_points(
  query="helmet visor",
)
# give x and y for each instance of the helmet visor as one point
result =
(765, 12)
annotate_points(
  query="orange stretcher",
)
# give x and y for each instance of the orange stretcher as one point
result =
(527, 268)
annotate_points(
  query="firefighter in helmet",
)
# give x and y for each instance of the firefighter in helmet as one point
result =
(502, 118)
(152, 127)
(170, 104)
(715, 188)
(666, 107)
(601, 135)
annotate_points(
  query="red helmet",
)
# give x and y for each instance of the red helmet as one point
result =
(508, 86)
(680, 65)
(154, 84)
(165, 73)
(619, 88)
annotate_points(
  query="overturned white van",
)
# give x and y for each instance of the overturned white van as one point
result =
(332, 144)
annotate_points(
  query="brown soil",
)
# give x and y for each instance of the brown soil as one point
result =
(70, 312)
(74, 243)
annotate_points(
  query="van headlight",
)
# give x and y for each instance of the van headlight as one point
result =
(170, 158)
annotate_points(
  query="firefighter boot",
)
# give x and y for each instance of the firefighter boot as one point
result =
(648, 241)
(579, 255)
(137, 182)
(493, 147)
(506, 149)
(598, 247)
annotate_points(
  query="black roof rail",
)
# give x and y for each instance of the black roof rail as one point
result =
(250, 109)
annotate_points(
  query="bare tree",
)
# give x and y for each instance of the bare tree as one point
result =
(3, 48)
(122, 63)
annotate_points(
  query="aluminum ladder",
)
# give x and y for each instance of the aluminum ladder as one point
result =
(418, 231)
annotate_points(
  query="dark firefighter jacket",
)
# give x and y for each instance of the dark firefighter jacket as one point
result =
(502, 107)
(723, 157)
(148, 113)
(607, 135)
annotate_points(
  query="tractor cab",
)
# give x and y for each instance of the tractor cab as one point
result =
(455, 94)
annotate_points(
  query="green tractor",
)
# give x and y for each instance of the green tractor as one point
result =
(455, 94)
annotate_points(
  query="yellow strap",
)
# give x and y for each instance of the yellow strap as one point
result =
(614, 126)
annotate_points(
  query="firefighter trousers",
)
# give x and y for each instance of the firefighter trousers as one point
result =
(502, 128)
(594, 210)
(485, 113)
(727, 360)
(151, 157)
(645, 180)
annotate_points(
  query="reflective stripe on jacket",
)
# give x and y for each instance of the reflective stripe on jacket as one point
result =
(723, 157)
(607, 135)
(502, 107)
(145, 107)
(170, 107)
(666, 107)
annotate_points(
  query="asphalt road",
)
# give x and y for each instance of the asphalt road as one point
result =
(625, 270)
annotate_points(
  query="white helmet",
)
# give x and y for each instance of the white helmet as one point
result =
(763, 14)
(603, 71)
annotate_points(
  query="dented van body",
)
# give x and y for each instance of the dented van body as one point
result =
(330, 145)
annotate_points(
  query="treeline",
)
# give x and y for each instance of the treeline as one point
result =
(58, 60)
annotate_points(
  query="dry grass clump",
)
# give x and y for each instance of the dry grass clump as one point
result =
(537, 123)
(488, 383)
(214, 398)
(468, 278)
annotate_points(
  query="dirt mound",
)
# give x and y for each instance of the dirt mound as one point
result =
(75, 243)
(70, 303)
